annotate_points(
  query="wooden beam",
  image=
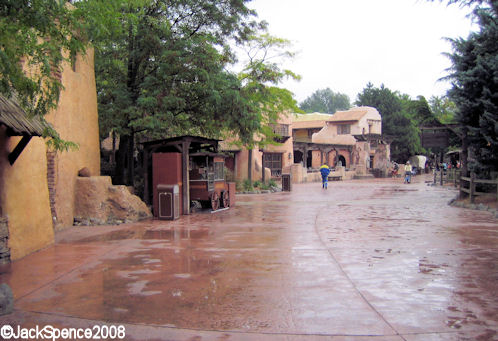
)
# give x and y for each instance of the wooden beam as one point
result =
(19, 148)
(185, 177)
(146, 176)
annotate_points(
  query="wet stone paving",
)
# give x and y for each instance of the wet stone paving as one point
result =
(365, 259)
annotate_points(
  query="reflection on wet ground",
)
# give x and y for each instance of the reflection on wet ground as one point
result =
(362, 259)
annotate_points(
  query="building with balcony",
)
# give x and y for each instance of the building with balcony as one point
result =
(350, 139)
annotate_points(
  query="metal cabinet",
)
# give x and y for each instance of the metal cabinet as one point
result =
(168, 201)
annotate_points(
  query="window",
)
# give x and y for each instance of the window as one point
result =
(218, 171)
(343, 129)
(281, 129)
(273, 161)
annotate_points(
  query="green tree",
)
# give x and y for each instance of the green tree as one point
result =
(325, 101)
(262, 99)
(398, 125)
(260, 77)
(37, 36)
(443, 109)
(160, 69)
(475, 87)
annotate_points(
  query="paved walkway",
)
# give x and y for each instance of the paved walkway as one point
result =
(362, 260)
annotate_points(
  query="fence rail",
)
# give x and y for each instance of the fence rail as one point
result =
(454, 176)
(467, 185)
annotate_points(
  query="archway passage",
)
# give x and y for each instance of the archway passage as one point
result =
(298, 156)
(342, 160)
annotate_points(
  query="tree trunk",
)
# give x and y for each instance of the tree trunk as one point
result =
(249, 166)
(130, 181)
(121, 174)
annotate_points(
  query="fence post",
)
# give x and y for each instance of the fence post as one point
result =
(442, 183)
(472, 187)
(462, 186)
(435, 176)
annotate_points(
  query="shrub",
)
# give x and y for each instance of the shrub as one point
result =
(247, 185)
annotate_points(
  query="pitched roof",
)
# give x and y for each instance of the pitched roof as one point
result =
(354, 114)
(16, 120)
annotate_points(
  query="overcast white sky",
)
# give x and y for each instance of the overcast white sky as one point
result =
(344, 44)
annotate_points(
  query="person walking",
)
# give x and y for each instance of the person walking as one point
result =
(408, 172)
(325, 171)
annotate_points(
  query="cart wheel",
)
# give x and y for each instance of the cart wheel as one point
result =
(215, 201)
(225, 199)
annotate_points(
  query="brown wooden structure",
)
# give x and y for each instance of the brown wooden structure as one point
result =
(207, 180)
(189, 160)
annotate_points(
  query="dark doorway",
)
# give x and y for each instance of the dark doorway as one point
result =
(342, 160)
(298, 156)
(309, 159)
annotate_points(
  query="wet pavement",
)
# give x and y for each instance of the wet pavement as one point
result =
(365, 259)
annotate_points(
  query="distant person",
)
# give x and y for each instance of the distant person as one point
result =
(394, 172)
(325, 171)
(408, 172)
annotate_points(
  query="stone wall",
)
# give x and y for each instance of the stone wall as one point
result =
(4, 238)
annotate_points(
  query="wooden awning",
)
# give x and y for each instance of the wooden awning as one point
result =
(18, 123)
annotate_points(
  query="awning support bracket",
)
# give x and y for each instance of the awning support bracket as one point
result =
(19, 148)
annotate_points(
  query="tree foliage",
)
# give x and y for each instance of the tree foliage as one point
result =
(325, 101)
(260, 76)
(35, 38)
(161, 68)
(474, 76)
(444, 109)
(399, 115)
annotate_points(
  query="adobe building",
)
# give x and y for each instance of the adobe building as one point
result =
(349, 139)
(275, 157)
(37, 191)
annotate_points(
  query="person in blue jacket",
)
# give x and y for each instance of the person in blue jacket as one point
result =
(325, 171)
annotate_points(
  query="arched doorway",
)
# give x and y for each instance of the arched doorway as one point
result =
(342, 160)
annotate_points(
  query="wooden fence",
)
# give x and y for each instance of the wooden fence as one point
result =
(467, 184)
(449, 176)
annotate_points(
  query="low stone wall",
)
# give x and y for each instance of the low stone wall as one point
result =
(4, 238)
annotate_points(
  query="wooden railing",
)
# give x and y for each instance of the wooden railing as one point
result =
(448, 176)
(467, 185)
(471, 190)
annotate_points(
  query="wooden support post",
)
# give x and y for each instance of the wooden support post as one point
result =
(185, 179)
(435, 176)
(146, 176)
(263, 168)
(305, 158)
(441, 181)
(472, 187)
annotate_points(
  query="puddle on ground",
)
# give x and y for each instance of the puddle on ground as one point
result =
(145, 234)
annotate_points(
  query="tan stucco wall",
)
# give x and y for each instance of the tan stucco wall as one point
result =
(76, 119)
(24, 196)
